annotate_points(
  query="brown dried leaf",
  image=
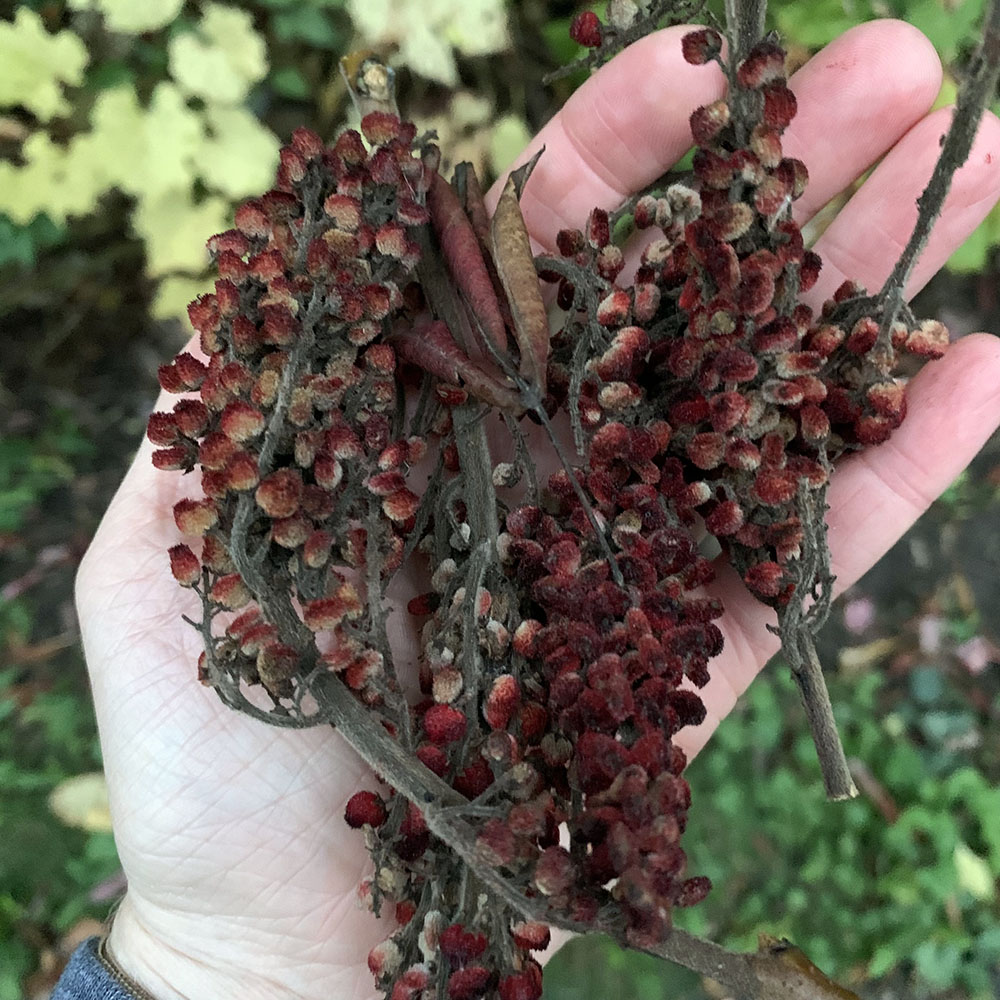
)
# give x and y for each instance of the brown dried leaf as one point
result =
(433, 349)
(464, 257)
(515, 264)
(470, 193)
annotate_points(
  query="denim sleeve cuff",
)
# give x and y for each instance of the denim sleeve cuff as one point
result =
(89, 976)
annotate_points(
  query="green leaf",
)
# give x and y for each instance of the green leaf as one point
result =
(947, 23)
(884, 960)
(289, 82)
(17, 961)
(988, 945)
(20, 244)
(110, 73)
(36, 65)
(816, 23)
(937, 963)
(926, 685)
(971, 256)
(562, 47)
(309, 25)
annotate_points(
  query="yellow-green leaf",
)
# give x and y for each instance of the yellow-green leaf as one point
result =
(144, 150)
(371, 17)
(510, 136)
(477, 27)
(426, 52)
(240, 155)
(132, 17)
(35, 64)
(222, 59)
(427, 32)
(82, 801)
(467, 109)
(974, 874)
(55, 179)
(173, 295)
(175, 230)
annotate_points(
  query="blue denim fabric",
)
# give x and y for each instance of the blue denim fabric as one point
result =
(87, 978)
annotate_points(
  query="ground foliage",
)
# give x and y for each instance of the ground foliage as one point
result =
(918, 705)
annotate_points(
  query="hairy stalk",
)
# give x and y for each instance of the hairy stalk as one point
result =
(476, 466)
(378, 635)
(477, 471)
(523, 459)
(599, 531)
(745, 25)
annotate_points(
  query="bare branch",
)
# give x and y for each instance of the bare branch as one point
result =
(973, 98)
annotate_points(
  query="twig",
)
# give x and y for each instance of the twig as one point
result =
(973, 97)
(477, 471)
(816, 700)
(797, 627)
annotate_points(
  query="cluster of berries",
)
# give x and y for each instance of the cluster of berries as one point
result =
(291, 418)
(561, 648)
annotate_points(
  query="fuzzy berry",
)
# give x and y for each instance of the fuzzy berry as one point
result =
(586, 29)
(365, 808)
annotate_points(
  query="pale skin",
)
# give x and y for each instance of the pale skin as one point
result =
(242, 874)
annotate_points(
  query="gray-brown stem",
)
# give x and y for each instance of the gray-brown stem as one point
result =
(819, 711)
(973, 98)
(745, 25)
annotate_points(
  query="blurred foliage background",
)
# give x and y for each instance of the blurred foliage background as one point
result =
(128, 130)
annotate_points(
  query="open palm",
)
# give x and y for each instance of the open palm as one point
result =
(241, 872)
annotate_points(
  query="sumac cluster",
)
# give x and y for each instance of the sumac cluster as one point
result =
(367, 321)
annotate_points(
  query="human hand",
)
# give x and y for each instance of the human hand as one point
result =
(242, 875)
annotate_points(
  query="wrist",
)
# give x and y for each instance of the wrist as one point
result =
(156, 969)
(151, 966)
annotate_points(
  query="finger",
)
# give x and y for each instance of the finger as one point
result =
(867, 237)
(618, 132)
(874, 498)
(629, 122)
(856, 98)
